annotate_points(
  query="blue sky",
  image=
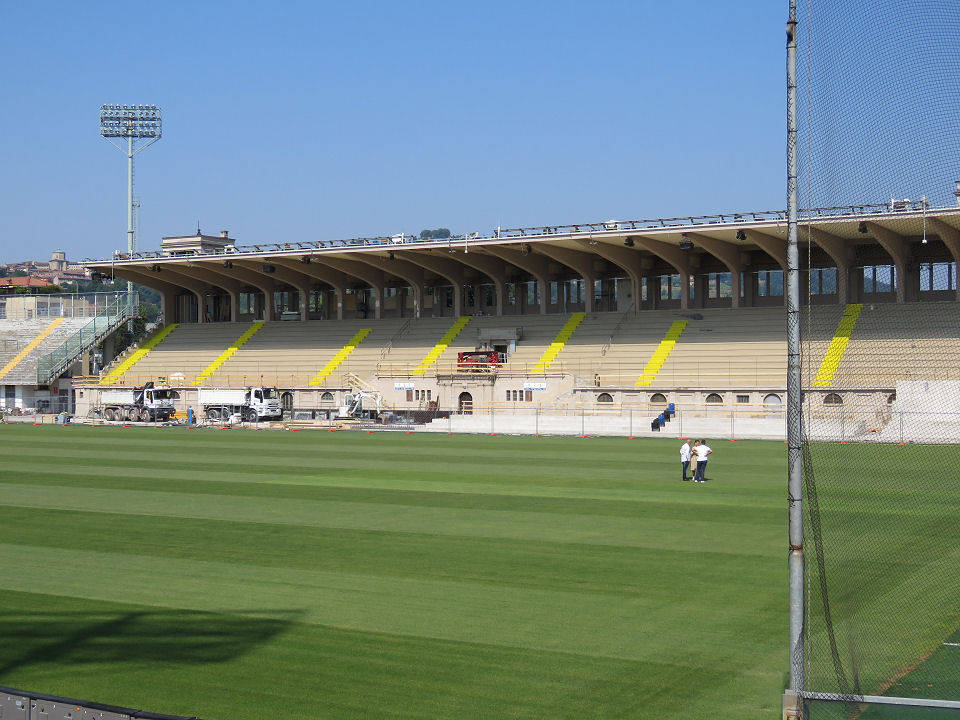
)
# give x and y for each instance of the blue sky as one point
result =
(312, 120)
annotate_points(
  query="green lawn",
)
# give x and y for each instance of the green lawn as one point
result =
(240, 574)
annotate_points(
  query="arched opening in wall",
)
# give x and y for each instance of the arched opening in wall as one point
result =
(832, 399)
(286, 401)
(465, 403)
(326, 399)
(891, 397)
(604, 398)
(658, 398)
(713, 399)
(772, 402)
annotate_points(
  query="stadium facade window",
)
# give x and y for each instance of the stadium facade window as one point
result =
(644, 293)
(658, 398)
(604, 398)
(891, 397)
(770, 283)
(719, 285)
(938, 276)
(554, 292)
(671, 287)
(832, 399)
(326, 398)
(714, 399)
(533, 293)
(247, 303)
(823, 281)
(316, 301)
(576, 291)
(743, 398)
(772, 401)
(469, 296)
(879, 278)
(489, 300)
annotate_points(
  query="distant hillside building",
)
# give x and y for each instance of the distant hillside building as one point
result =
(54, 271)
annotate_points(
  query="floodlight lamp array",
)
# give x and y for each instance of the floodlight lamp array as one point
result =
(139, 121)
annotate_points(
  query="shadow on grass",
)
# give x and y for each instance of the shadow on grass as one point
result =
(153, 636)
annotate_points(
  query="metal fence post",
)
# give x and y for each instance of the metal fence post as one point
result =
(536, 421)
(631, 421)
(491, 419)
(901, 425)
(583, 412)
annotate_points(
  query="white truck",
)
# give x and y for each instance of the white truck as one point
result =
(251, 404)
(146, 404)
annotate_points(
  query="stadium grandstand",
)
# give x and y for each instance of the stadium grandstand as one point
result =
(613, 314)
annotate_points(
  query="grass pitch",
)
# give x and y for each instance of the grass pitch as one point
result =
(243, 575)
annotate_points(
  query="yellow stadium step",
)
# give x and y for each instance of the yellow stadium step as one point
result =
(341, 355)
(137, 355)
(838, 346)
(558, 342)
(661, 354)
(31, 346)
(448, 337)
(228, 353)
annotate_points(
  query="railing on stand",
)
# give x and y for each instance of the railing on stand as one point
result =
(54, 363)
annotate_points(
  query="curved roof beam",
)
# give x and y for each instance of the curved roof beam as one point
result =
(168, 289)
(295, 279)
(773, 246)
(493, 268)
(363, 273)
(580, 262)
(406, 271)
(673, 255)
(231, 287)
(318, 272)
(630, 261)
(840, 252)
(728, 254)
(445, 268)
(535, 265)
(898, 249)
(246, 277)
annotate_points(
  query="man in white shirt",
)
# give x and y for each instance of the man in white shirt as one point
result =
(685, 458)
(702, 450)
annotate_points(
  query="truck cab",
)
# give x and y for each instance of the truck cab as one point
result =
(265, 402)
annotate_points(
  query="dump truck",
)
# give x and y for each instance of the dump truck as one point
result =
(250, 404)
(144, 404)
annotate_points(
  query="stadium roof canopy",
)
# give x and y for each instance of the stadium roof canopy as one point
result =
(638, 247)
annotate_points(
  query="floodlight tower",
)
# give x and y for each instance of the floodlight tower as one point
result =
(135, 123)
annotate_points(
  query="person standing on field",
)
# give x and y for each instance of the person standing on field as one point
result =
(685, 459)
(702, 451)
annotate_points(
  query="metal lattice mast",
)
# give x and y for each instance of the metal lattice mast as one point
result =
(132, 122)
(794, 387)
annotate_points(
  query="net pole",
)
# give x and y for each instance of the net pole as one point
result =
(794, 389)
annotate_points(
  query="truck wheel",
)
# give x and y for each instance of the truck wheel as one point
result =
(144, 415)
(249, 415)
(133, 414)
(108, 413)
(213, 414)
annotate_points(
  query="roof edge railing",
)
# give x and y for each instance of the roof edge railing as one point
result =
(586, 229)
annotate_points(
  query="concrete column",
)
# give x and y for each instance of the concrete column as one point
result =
(896, 246)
